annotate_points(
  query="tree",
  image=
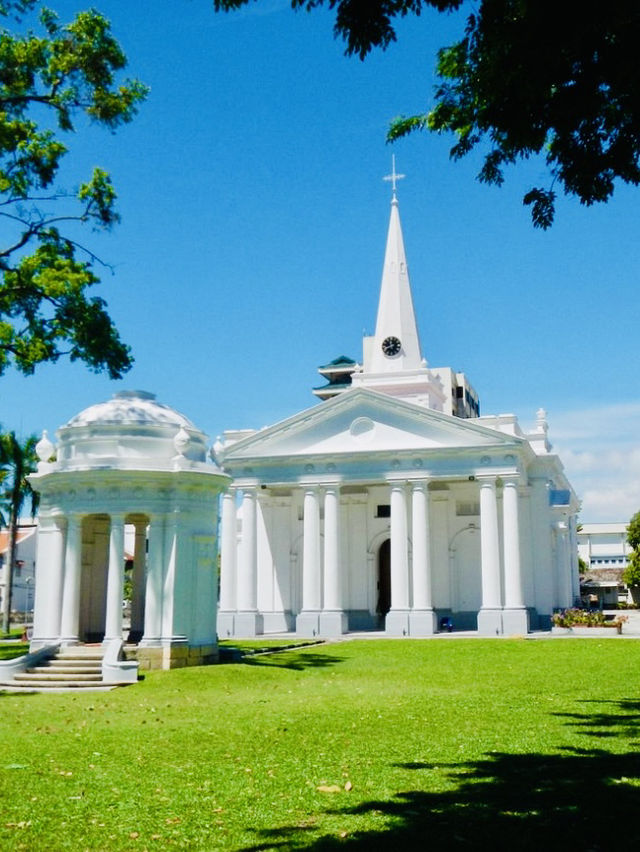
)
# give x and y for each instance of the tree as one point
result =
(631, 574)
(633, 532)
(17, 460)
(48, 82)
(528, 78)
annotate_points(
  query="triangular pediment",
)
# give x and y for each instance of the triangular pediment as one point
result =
(364, 421)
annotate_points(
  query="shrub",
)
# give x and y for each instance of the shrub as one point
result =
(575, 617)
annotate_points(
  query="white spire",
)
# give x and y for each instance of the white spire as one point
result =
(396, 317)
(393, 361)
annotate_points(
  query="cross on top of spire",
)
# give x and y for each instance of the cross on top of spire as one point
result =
(394, 177)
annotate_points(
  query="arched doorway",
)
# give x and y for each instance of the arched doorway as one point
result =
(384, 579)
(467, 578)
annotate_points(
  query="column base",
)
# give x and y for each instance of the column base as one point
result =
(423, 622)
(38, 642)
(333, 623)
(397, 622)
(248, 624)
(68, 640)
(308, 624)
(490, 622)
(515, 621)
(175, 653)
(226, 624)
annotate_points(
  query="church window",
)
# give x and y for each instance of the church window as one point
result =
(467, 508)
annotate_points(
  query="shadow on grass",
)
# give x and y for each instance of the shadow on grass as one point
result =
(608, 724)
(296, 660)
(578, 799)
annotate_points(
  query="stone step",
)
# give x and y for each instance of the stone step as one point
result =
(94, 657)
(57, 686)
(57, 668)
(44, 675)
(75, 661)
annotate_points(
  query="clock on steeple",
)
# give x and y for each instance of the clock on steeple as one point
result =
(391, 346)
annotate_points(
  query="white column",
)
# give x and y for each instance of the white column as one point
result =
(308, 621)
(332, 620)
(153, 587)
(49, 580)
(573, 555)
(228, 552)
(247, 621)
(70, 619)
(115, 580)
(515, 616)
(422, 619)
(563, 567)
(542, 555)
(138, 579)
(490, 616)
(397, 620)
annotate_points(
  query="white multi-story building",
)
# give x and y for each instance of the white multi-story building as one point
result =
(605, 551)
(22, 581)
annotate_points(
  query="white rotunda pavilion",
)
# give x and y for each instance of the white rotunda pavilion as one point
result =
(129, 461)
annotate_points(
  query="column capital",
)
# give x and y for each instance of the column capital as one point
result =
(313, 490)
(331, 487)
(512, 479)
(486, 480)
(419, 484)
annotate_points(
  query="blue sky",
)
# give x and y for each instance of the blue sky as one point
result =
(254, 218)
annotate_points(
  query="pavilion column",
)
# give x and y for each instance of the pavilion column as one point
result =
(115, 580)
(515, 617)
(47, 604)
(333, 620)
(154, 584)
(422, 618)
(490, 616)
(247, 621)
(228, 564)
(397, 620)
(138, 579)
(70, 618)
(308, 620)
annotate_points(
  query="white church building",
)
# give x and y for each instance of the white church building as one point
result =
(392, 505)
(380, 509)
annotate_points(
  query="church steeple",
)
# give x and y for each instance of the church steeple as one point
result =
(393, 361)
(396, 317)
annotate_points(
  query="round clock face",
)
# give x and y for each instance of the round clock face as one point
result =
(391, 346)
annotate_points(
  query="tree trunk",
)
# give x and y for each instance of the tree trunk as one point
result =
(8, 573)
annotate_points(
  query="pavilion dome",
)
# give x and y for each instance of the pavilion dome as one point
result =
(128, 407)
(132, 429)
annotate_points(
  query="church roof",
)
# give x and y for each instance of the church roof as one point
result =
(364, 421)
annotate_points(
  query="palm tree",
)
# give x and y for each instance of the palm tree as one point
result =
(17, 461)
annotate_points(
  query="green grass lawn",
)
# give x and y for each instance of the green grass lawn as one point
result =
(390, 745)
(10, 650)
